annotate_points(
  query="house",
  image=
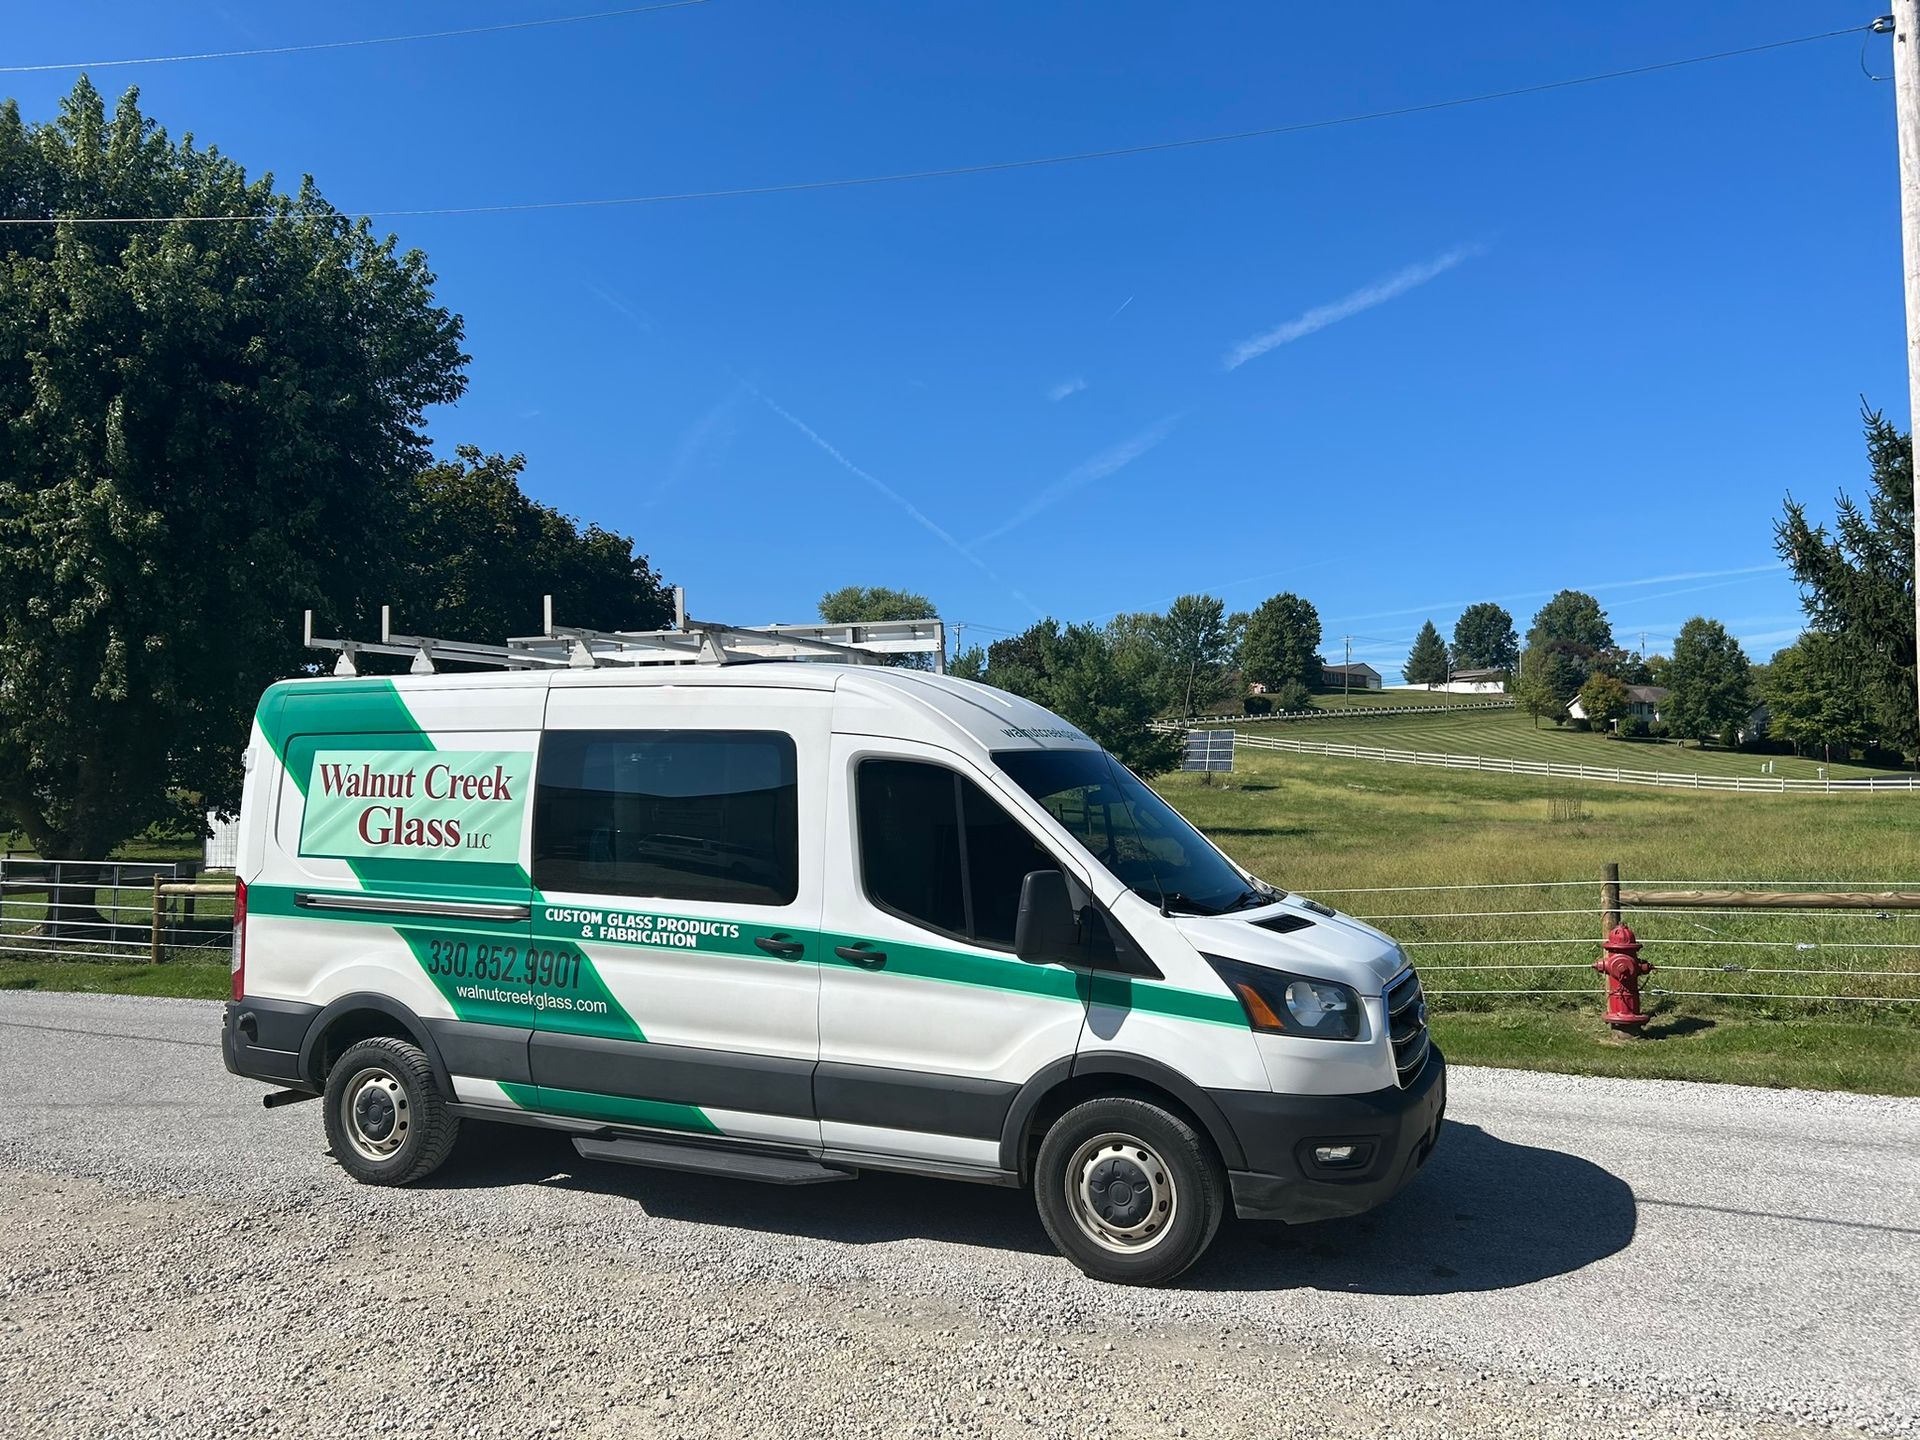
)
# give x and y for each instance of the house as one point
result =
(1349, 677)
(1477, 682)
(1466, 682)
(1643, 703)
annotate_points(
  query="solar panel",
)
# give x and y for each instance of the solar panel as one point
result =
(1208, 750)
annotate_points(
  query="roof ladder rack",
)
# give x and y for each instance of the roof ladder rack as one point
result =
(688, 642)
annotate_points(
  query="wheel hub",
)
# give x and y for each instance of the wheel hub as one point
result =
(1121, 1193)
(376, 1113)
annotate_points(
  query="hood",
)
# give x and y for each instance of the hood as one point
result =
(1301, 936)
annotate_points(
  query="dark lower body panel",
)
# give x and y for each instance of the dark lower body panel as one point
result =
(1392, 1132)
(261, 1039)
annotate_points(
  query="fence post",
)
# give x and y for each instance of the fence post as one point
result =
(1609, 898)
(153, 946)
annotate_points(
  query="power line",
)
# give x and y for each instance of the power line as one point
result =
(985, 167)
(351, 44)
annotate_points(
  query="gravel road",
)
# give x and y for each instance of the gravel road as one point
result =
(1582, 1258)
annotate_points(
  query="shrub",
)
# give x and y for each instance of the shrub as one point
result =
(1581, 723)
(1291, 696)
(1634, 727)
(1258, 705)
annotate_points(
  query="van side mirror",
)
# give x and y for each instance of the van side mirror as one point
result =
(1047, 931)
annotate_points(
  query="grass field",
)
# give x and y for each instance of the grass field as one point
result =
(1347, 830)
(1513, 735)
(1343, 829)
(1392, 699)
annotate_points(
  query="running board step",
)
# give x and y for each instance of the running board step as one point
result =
(665, 1155)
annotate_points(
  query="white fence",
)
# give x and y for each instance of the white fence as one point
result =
(1613, 775)
(1351, 712)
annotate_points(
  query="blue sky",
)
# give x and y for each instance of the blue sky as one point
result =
(1583, 338)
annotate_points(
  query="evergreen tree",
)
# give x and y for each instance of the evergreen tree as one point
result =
(1427, 661)
(1857, 583)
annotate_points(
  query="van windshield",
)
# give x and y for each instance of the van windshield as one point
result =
(1123, 824)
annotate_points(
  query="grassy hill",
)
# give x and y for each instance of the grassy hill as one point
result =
(1337, 829)
(1511, 734)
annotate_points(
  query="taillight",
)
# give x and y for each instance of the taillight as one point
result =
(239, 938)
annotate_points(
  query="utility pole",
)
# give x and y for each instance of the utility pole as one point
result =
(1346, 673)
(1906, 109)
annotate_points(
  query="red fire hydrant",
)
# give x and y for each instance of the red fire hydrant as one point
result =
(1623, 967)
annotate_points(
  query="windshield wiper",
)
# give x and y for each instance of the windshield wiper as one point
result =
(1169, 899)
(1252, 899)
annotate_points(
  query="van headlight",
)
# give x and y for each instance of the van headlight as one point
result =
(1282, 1004)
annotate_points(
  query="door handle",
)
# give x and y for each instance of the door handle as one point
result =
(780, 945)
(863, 955)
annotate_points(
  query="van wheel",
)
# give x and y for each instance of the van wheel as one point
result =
(1129, 1192)
(386, 1118)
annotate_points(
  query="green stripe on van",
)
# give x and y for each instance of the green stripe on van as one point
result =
(613, 1109)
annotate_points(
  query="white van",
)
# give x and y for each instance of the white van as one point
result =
(792, 921)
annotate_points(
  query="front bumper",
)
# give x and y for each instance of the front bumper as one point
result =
(1395, 1131)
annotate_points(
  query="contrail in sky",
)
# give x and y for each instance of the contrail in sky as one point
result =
(1097, 467)
(1365, 298)
(919, 516)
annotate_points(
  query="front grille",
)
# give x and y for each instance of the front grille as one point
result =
(1407, 1026)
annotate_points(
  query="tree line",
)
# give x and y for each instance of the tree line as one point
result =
(210, 427)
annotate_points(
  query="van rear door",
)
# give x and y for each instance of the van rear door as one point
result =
(676, 853)
(396, 863)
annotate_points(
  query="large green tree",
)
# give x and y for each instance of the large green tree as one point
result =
(1109, 686)
(482, 553)
(210, 425)
(1574, 618)
(1603, 699)
(1709, 688)
(1197, 641)
(1857, 581)
(1282, 643)
(1483, 638)
(1569, 633)
(1813, 697)
(1427, 661)
(852, 604)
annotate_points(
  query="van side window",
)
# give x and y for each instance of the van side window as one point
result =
(668, 815)
(936, 849)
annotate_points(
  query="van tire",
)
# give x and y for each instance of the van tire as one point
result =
(386, 1119)
(1173, 1189)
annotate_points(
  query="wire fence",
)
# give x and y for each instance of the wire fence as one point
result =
(1496, 942)
(1476, 945)
(111, 911)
